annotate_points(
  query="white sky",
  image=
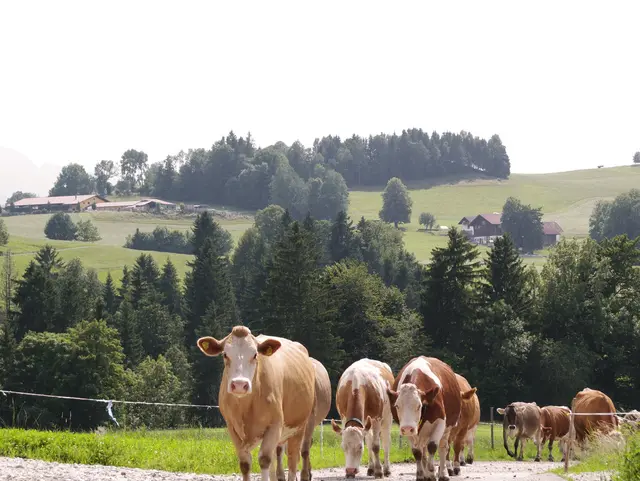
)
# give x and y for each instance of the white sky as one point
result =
(83, 81)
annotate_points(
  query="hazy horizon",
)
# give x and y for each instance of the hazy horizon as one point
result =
(86, 81)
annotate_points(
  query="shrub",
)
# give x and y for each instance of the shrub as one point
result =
(162, 240)
(428, 220)
(630, 466)
(60, 227)
(4, 233)
(87, 231)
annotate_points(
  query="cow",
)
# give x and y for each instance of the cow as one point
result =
(463, 434)
(592, 401)
(522, 422)
(427, 403)
(554, 422)
(365, 410)
(267, 395)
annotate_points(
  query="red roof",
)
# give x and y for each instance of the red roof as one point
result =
(491, 218)
(551, 228)
(58, 200)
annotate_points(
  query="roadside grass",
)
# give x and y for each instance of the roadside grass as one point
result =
(202, 451)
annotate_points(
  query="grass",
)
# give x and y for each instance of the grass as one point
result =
(202, 451)
(566, 197)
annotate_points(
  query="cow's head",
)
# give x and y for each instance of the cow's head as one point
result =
(240, 350)
(408, 401)
(546, 433)
(352, 444)
(509, 414)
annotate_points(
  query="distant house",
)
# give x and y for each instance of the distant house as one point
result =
(64, 203)
(552, 232)
(465, 224)
(485, 228)
(136, 205)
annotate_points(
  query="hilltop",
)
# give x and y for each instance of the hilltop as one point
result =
(566, 197)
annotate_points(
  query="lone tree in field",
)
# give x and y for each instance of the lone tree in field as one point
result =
(428, 220)
(523, 223)
(396, 203)
(87, 231)
(636, 158)
(60, 227)
(4, 233)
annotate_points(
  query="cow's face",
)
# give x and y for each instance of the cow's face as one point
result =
(352, 445)
(509, 414)
(546, 433)
(408, 401)
(240, 351)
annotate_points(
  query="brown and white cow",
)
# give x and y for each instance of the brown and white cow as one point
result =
(555, 421)
(267, 394)
(427, 401)
(464, 433)
(365, 409)
(522, 422)
(592, 401)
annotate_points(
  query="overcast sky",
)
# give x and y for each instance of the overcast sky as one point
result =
(83, 81)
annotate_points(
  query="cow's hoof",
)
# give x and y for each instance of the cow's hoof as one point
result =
(551, 459)
(450, 471)
(562, 460)
(463, 463)
(281, 478)
(469, 460)
(537, 460)
(387, 472)
(519, 459)
(443, 478)
(370, 472)
(421, 478)
(350, 476)
(456, 471)
(378, 475)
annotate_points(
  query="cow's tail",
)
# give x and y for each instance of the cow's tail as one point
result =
(506, 441)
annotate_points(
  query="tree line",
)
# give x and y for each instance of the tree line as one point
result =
(345, 290)
(235, 172)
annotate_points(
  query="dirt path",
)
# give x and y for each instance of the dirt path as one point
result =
(16, 469)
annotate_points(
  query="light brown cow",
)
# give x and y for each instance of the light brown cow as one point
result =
(555, 421)
(365, 409)
(427, 401)
(464, 433)
(522, 422)
(267, 394)
(592, 401)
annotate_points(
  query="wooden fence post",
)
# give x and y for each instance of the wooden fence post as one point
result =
(492, 441)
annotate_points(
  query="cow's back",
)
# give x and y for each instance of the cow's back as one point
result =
(470, 408)
(593, 401)
(528, 417)
(450, 390)
(558, 418)
(366, 380)
(322, 392)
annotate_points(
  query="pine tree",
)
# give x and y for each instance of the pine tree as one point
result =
(204, 228)
(249, 273)
(449, 299)
(169, 287)
(125, 283)
(109, 296)
(127, 324)
(144, 278)
(34, 299)
(71, 291)
(506, 277)
(7, 335)
(158, 328)
(343, 243)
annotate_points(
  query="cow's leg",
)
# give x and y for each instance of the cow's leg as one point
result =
(293, 454)
(280, 468)
(368, 441)
(523, 443)
(385, 435)
(375, 447)
(458, 446)
(418, 455)
(307, 442)
(244, 458)
(269, 449)
(471, 440)
(562, 446)
(551, 439)
(448, 461)
(439, 431)
(515, 448)
(443, 447)
(538, 442)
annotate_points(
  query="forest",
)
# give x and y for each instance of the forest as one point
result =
(344, 289)
(234, 172)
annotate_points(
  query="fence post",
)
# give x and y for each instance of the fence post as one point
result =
(569, 443)
(492, 441)
(322, 439)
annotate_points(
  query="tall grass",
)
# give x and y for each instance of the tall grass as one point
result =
(202, 451)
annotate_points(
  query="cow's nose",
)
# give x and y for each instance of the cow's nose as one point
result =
(351, 472)
(512, 426)
(239, 386)
(406, 430)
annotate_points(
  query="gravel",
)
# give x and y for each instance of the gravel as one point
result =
(16, 469)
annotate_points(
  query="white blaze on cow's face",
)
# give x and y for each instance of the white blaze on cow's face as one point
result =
(352, 445)
(409, 407)
(240, 351)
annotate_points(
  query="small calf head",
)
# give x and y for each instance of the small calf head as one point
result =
(352, 445)
(240, 350)
(408, 401)
(509, 414)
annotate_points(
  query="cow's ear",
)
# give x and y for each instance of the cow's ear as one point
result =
(393, 395)
(468, 394)
(268, 347)
(500, 411)
(367, 424)
(336, 429)
(430, 395)
(210, 346)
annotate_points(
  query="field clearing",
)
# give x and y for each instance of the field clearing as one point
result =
(202, 451)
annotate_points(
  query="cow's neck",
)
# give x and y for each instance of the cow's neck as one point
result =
(355, 409)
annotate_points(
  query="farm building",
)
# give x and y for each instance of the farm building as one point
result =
(136, 205)
(485, 228)
(63, 203)
(552, 232)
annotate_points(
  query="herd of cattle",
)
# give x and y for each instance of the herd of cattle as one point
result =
(274, 394)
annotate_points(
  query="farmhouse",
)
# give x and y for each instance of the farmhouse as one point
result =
(485, 228)
(552, 232)
(136, 205)
(63, 203)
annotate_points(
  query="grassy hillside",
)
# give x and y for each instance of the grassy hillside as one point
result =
(567, 198)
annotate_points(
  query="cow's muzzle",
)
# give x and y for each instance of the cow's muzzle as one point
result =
(240, 386)
(351, 472)
(512, 427)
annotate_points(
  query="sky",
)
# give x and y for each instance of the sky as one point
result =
(84, 81)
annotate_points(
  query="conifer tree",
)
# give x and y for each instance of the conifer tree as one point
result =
(127, 325)
(34, 299)
(169, 286)
(144, 278)
(248, 271)
(125, 283)
(344, 242)
(109, 296)
(204, 227)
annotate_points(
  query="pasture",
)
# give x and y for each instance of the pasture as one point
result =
(204, 451)
(566, 197)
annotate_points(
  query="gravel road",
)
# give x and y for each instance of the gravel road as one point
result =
(16, 469)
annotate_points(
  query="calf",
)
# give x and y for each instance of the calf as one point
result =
(555, 421)
(365, 410)
(463, 434)
(427, 400)
(267, 394)
(522, 422)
